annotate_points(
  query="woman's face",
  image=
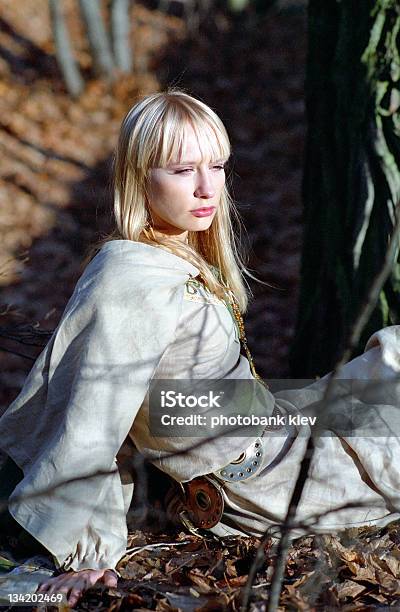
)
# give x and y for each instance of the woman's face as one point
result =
(185, 195)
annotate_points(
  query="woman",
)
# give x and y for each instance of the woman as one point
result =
(162, 301)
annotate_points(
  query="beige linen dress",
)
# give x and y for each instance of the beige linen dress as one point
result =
(133, 318)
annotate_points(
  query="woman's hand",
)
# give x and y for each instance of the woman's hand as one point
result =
(74, 584)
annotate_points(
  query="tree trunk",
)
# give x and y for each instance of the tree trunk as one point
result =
(103, 62)
(120, 28)
(65, 58)
(352, 175)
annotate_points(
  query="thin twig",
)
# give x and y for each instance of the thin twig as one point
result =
(255, 566)
(136, 550)
(284, 542)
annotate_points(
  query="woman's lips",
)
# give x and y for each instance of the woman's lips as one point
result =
(203, 212)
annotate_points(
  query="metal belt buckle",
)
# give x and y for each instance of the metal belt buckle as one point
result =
(246, 465)
(204, 502)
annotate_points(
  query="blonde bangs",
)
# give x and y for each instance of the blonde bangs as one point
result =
(172, 134)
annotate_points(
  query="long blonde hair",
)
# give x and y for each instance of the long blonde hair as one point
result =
(152, 134)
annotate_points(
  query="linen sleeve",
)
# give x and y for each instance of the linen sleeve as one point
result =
(77, 406)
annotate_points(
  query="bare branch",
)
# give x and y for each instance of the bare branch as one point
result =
(66, 61)
(98, 40)
(120, 31)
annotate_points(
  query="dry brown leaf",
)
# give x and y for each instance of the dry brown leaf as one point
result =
(200, 582)
(231, 568)
(378, 597)
(238, 581)
(349, 589)
(346, 554)
(393, 565)
(133, 569)
(302, 579)
(354, 568)
(366, 574)
(376, 562)
(388, 583)
(350, 556)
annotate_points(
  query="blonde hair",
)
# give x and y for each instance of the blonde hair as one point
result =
(152, 134)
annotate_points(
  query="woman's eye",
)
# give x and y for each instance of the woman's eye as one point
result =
(217, 167)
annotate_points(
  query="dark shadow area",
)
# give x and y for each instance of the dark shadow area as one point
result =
(32, 62)
(48, 153)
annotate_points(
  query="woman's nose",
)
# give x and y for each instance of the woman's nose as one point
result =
(204, 188)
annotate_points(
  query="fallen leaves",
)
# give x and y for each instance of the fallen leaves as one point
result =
(205, 574)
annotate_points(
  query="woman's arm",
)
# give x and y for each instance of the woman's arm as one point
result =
(78, 404)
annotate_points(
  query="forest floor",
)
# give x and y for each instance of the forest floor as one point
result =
(56, 200)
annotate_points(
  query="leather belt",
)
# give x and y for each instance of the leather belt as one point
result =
(199, 503)
(245, 466)
(248, 463)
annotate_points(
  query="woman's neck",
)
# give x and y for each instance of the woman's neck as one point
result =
(159, 235)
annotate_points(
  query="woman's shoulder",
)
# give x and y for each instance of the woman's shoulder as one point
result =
(125, 267)
(128, 253)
